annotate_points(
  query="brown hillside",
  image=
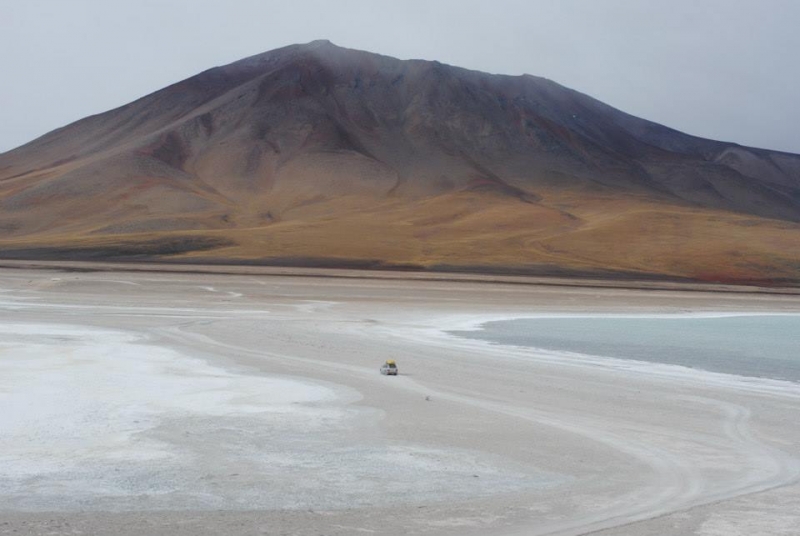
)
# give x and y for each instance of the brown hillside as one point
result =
(314, 154)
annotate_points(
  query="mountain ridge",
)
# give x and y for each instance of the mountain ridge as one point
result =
(299, 140)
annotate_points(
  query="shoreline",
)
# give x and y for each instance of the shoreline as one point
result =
(655, 283)
(651, 369)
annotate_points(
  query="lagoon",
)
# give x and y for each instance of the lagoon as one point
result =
(764, 345)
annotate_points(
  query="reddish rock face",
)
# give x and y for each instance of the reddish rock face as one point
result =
(308, 133)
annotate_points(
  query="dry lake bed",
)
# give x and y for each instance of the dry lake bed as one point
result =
(191, 404)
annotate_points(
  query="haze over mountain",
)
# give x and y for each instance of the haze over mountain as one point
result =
(315, 154)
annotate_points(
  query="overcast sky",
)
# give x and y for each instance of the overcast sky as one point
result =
(723, 69)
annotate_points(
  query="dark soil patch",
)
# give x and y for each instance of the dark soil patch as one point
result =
(146, 250)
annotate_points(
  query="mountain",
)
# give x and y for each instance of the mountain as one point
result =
(316, 154)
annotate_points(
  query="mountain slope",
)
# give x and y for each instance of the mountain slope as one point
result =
(314, 153)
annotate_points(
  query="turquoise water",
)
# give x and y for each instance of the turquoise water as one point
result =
(766, 346)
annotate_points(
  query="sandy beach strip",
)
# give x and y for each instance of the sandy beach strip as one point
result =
(261, 411)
